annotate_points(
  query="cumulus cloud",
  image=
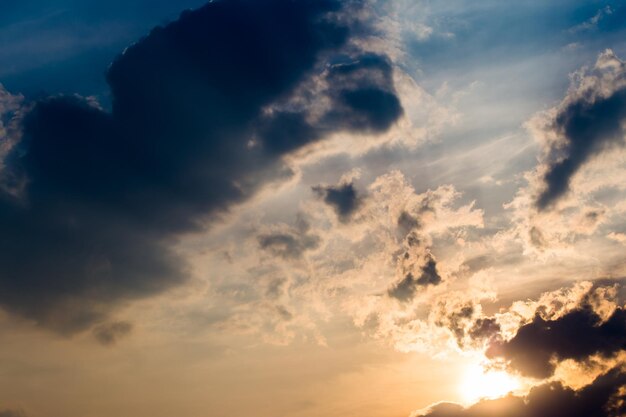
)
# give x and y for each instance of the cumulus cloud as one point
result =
(317, 270)
(567, 201)
(198, 111)
(588, 122)
(539, 345)
(416, 263)
(396, 237)
(582, 324)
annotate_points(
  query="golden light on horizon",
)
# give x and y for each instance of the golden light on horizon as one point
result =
(480, 383)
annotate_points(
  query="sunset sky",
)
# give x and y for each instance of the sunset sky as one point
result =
(312, 208)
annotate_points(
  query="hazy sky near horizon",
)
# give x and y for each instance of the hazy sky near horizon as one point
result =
(310, 208)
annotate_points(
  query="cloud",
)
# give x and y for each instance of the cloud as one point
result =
(588, 122)
(109, 333)
(351, 269)
(604, 397)
(415, 262)
(343, 198)
(592, 22)
(617, 237)
(484, 328)
(365, 101)
(195, 127)
(539, 345)
(289, 242)
(11, 109)
(405, 289)
(12, 413)
(578, 329)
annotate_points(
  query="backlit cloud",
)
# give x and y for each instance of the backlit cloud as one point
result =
(107, 193)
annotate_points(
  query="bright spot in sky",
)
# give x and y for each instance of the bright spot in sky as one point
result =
(479, 383)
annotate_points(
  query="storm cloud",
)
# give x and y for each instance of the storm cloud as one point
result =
(96, 200)
(589, 121)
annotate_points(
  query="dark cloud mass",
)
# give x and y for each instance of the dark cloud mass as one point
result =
(604, 397)
(344, 199)
(104, 195)
(405, 290)
(577, 335)
(364, 100)
(588, 124)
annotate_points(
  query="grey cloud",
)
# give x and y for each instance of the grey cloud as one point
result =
(484, 328)
(407, 223)
(579, 334)
(457, 321)
(588, 123)
(107, 194)
(12, 413)
(362, 94)
(283, 313)
(405, 289)
(344, 199)
(429, 275)
(290, 243)
(418, 266)
(275, 288)
(287, 245)
(108, 334)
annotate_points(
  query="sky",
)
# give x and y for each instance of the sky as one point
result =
(305, 208)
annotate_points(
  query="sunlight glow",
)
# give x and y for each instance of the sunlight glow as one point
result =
(480, 383)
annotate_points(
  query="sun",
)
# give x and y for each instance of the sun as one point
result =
(480, 383)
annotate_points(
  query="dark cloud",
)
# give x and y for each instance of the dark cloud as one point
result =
(537, 238)
(484, 328)
(429, 275)
(344, 199)
(577, 335)
(406, 224)
(276, 288)
(12, 413)
(290, 243)
(365, 99)
(288, 246)
(283, 313)
(587, 124)
(604, 397)
(109, 334)
(361, 98)
(405, 290)
(457, 321)
(106, 194)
